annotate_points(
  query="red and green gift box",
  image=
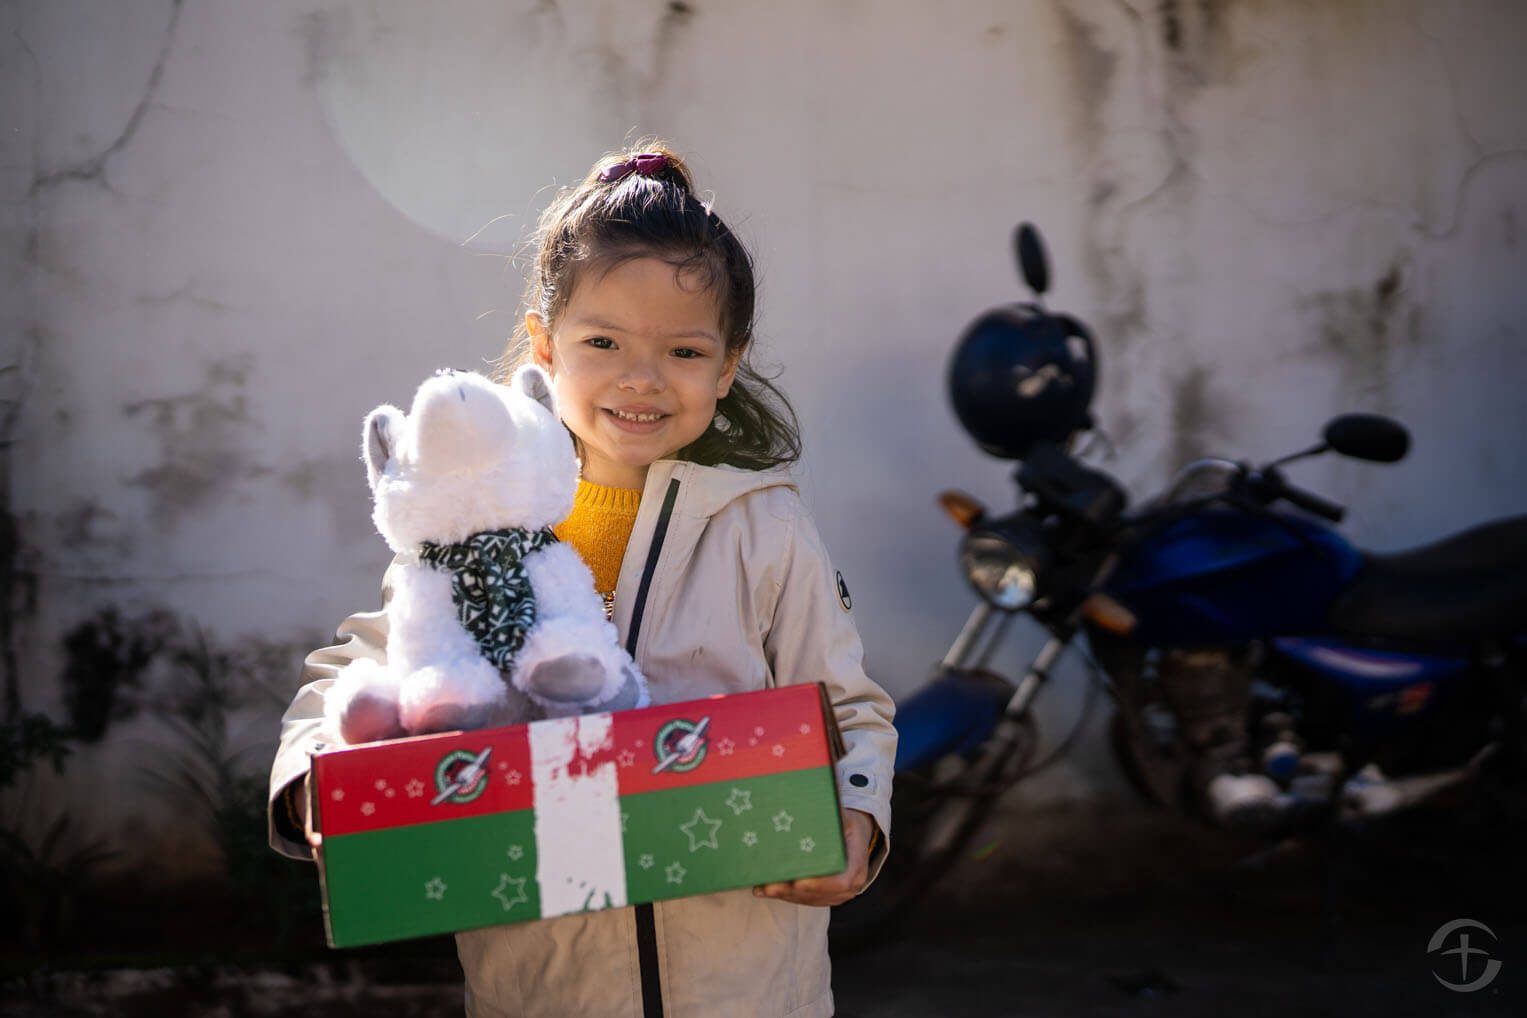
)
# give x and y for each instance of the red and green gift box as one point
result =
(441, 833)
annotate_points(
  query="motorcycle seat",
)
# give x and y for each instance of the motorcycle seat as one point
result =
(1463, 588)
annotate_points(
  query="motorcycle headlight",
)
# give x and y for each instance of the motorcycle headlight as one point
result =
(1003, 562)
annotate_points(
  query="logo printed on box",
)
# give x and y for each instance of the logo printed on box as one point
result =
(461, 776)
(680, 745)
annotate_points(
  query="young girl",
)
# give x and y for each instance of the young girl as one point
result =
(640, 307)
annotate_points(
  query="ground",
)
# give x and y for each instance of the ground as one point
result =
(1058, 912)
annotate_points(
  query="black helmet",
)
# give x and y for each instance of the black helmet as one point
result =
(1021, 375)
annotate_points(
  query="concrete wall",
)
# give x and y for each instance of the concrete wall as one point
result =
(230, 229)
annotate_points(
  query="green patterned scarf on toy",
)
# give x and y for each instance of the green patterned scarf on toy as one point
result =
(490, 588)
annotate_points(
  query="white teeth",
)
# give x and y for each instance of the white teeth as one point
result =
(641, 418)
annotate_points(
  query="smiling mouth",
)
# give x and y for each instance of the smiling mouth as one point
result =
(635, 418)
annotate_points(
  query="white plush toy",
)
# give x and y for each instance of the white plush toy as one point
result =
(492, 621)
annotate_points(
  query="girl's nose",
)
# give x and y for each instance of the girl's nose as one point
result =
(642, 376)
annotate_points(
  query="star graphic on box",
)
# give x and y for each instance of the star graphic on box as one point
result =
(513, 777)
(338, 795)
(750, 838)
(805, 729)
(782, 821)
(415, 788)
(758, 731)
(646, 861)
(740, 800)
(725, 747)
(516, 852)
(368, 808)
(778, 750)
(381, 784)
(391, 793)
(675, 873)
(626, 758)
(502, 892)
(691, 830)
(434, 890)
(807, 844)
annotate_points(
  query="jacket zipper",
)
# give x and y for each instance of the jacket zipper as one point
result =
(646, 921)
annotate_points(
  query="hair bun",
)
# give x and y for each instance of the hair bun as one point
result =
(656, 164)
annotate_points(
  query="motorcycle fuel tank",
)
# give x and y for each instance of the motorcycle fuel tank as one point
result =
(1228, 575)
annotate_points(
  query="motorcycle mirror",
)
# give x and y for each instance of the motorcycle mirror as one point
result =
(1033, 265)
(1368, 437)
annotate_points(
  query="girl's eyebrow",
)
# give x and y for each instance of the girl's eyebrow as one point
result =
(595, 322)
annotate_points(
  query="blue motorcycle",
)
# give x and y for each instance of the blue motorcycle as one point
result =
(1268, 676)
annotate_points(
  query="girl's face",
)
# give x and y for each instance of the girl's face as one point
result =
(638, 362)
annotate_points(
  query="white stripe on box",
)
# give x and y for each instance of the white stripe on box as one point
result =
(580, 851)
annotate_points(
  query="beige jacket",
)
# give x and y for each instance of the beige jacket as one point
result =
(735, 592)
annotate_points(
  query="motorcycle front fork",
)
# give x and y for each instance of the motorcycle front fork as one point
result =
(979, 639)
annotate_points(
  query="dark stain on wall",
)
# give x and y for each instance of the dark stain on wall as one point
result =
(1195, 418)
(201, 437)
(86, 525)
(1171, 25)
(105, 657)
(1092, 71)
(677, 17)
(1364, 328)
(339, 484)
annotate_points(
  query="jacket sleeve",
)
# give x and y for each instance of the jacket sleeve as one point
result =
(361, 635)
(812, 638)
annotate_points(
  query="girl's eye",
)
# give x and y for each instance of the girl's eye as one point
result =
(601, 343)
(687, 353)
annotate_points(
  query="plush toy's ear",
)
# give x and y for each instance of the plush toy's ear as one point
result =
(536, 384)
(379, 437)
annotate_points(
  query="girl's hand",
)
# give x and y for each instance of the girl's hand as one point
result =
(858, 830)
(315, 839)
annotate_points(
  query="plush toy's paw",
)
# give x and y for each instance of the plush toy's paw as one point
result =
(462, 694)
(451, 717)
(362, 704)
(565, 685)
(633, 691)
(370, 718)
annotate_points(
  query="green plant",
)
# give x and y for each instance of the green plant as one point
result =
(45, 879)
(220, 784)
(44, 873)
(28, 739)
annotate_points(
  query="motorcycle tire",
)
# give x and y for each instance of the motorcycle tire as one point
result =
(933, 821)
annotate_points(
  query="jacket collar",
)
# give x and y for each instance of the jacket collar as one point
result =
(708, 490)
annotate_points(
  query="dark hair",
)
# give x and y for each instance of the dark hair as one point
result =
(599, 224)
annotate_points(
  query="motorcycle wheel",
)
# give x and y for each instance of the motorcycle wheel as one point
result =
(936, 810)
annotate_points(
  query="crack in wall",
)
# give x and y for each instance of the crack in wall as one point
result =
(1460, 194)
(94, 168)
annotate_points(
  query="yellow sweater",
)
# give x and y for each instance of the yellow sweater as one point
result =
(599, 527)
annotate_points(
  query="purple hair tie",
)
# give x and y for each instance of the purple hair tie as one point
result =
(645, 164)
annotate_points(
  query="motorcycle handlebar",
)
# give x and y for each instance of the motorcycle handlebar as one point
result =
(1271, 481)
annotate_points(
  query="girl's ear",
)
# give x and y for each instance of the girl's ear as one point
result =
(728, 374)
(379, 438)
(540, 339)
